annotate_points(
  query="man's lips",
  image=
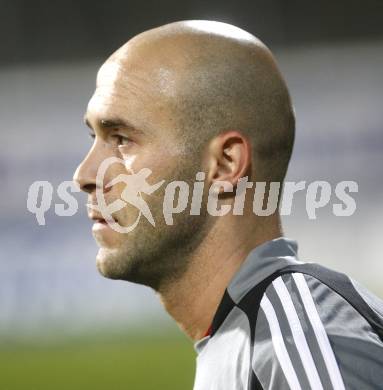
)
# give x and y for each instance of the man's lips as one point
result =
(102, 228)
(97, 220)
(95, 214)
(101, 219)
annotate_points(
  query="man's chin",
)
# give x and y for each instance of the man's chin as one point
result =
(106, 237)
(107, 263)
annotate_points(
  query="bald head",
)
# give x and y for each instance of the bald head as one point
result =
(187, 97)
(215, 77)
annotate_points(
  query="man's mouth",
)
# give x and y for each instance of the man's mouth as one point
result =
(100, 220)
(103, 231)
(101, 223)
(95, 215)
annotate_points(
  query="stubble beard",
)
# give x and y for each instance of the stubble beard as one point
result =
(155, 255)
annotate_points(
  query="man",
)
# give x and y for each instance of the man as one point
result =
(201, 96)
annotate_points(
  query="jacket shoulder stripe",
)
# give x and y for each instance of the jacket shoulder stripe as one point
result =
(279, 344)
(320, 332)
(298, 334)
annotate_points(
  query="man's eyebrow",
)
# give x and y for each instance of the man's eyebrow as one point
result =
(113, 123)
(86, 121)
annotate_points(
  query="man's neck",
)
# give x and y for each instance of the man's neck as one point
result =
(193, 299)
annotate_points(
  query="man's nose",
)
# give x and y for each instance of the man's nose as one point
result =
(86, 173)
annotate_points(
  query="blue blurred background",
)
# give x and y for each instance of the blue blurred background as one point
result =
(50, 292)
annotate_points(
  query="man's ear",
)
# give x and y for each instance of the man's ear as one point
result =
(229, 157)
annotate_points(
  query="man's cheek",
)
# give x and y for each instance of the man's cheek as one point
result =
(127, 217)
(129, 159)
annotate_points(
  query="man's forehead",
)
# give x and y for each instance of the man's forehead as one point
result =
(136, 106)
(109, 74)
(156, 78)
(101, 105)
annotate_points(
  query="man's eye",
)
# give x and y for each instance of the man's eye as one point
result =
(121, 140)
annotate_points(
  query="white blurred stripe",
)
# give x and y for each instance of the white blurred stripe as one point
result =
(298, 334)
(279, 344)
(320, 332)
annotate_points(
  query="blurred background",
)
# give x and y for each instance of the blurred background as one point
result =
(61, 323)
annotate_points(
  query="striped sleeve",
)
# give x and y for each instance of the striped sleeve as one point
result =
(309, 337)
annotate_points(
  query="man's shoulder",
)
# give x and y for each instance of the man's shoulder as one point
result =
(313, 293)
(310, 297)
(309, 333)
